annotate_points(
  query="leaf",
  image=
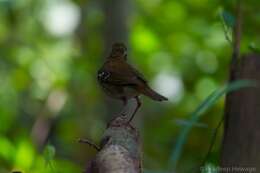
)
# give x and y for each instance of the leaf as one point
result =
(209, 168)
(183, 122)
(228, 18)
(201, 109)
(254, 48)
(49, 154)
(7, 149)
(228, 22)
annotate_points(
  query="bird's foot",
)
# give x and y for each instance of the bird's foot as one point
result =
(86, 141)
(123, 114)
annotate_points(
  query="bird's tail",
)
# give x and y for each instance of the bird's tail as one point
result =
(152, 94)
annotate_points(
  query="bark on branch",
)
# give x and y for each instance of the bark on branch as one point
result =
(119, 149)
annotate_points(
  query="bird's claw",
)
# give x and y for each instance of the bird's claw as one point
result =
(123, 114)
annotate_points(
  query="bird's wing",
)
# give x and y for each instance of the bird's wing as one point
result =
(122, 74)
(139, 75)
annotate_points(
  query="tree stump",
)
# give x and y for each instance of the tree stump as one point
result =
(241, 142)
(119, 149)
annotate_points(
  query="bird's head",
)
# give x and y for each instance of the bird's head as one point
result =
(119, 50)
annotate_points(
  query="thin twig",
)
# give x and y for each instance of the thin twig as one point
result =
(213, 140)
(226, 30)
(85, 141)
(237, 33)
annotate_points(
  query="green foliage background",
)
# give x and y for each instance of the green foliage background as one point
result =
(48, 81)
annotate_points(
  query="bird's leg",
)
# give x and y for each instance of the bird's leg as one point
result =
(138, 104)
(124, 100)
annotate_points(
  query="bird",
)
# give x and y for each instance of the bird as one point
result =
(122, 81)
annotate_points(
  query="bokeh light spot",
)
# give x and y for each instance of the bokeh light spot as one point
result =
(161, 60)
(216, 37)
(207, 61)
(56, 101)
(24, 155)
(177, 8)
(144, 40)
(6, 149)
(169, 85)
(61, 18)
(205, 87)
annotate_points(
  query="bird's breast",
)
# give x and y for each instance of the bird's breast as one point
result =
(119, 91)
(130, 92)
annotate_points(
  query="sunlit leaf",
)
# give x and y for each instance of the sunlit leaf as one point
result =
(24, 156)
(144, 39)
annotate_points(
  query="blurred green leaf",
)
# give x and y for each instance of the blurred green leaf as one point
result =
(66, 166)
(201, 109)
(7, 149)
(24, 155)
(254, 48)
(209, 168)
(49, 154)
(183, 122)
(144, 39)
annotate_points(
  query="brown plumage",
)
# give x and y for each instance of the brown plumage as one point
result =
(122, 81)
